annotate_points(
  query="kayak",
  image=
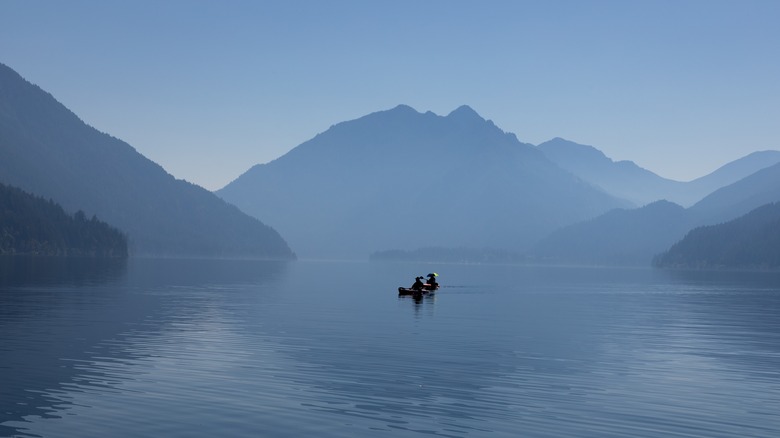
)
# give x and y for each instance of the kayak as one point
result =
(418, 292)
(407, 291)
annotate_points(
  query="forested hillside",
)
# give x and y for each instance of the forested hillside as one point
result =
(619, 237)
(448, 255)
(47, 150)
(750, 241)
(32, 225)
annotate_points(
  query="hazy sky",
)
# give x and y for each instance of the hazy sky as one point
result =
(209, 88)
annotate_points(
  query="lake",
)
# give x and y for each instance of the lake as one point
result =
(205, 348)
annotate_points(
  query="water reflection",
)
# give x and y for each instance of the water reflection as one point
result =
(418, 299)
(240, 348)
(174, 272)
(731, 317)
(77, 325)
(29, 270)
(615, 352)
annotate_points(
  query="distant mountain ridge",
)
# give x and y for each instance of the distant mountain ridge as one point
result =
(734, 200)
(603, 239)
(618, 237)
(448, 255)
(47, 150)
(400, 179)
(626, 180)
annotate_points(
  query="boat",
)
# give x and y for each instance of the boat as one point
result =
(415, 292)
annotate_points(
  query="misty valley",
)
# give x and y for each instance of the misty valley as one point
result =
(580, 296)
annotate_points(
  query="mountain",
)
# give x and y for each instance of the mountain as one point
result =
(31, 225)
(751, 241)
(623, 179)
(618, 237)
(735, 171)
(47, 150)
(605, 238)
(626, 180)
(400, 179)
(726, 203)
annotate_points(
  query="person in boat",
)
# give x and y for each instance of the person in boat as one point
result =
(418, 284)
(432, 284)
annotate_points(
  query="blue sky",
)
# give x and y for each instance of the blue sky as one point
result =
(209, 88)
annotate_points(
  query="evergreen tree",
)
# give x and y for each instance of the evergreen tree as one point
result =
(32, 225)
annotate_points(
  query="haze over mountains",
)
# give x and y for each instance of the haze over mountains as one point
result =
(403, 179)
(47, 150)
(392, 180)
(636, 236)
(627, 180)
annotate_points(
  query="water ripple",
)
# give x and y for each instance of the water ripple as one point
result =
(563, 353)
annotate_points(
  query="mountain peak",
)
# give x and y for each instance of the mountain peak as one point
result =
(402, 108)
(464, 112)
(338, 194)
(398, 112)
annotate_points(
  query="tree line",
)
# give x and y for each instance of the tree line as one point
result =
(751, 241)
(448, 255)
(32, 225)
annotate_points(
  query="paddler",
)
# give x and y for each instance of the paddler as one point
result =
(432, 284)
(418, 284)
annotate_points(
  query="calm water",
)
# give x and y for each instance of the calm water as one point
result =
(193, 348)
